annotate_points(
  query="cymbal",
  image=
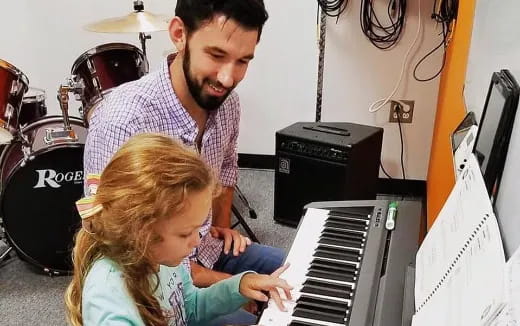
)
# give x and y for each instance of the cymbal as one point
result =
(135, 22)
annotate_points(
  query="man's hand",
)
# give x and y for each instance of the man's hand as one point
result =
(230, 236)
(253, 286)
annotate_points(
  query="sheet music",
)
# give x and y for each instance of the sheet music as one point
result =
(460, 264)
(509, 315)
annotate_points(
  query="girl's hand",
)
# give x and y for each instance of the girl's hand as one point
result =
(255, 286)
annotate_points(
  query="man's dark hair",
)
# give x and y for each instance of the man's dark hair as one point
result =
(251, 14)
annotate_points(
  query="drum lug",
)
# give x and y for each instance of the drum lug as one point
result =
(9, 111)
(27, 155)
(15, 87)
(59, 136)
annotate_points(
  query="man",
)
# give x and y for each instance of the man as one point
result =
(191, 98)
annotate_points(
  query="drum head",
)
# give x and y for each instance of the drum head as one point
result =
(38, 206)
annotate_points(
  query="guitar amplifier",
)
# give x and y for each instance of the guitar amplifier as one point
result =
(324, 162)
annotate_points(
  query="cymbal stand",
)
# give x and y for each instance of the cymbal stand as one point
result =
(143, 37)
(139, 6)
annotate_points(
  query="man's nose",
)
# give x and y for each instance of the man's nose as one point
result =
(225, 76)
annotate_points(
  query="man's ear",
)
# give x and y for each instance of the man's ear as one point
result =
(178, 33)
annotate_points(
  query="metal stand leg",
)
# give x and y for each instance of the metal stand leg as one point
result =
(243, 223)
(240, 195)
(4, 255)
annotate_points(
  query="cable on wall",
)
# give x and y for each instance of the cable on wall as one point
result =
(383, 35)
(333, 8)
(444, 13)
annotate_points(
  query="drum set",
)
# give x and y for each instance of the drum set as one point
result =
(41, 160)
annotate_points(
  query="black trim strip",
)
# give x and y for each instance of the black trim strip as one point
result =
(384, 186)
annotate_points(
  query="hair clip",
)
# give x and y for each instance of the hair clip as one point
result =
(85, 206)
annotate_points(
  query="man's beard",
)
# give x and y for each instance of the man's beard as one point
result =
(205, 101)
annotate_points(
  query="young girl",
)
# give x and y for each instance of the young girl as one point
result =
(143, 220)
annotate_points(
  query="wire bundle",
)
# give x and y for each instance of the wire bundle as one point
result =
(333, 8)
(383, 36)
(444, 13)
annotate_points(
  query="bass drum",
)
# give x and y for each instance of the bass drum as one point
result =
(39, 194)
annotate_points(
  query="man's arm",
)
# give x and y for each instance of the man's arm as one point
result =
(222, 208)
(204, 277)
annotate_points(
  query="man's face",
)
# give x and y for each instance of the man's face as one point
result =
(215, 60)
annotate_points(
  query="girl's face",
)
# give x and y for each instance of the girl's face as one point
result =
(179, 234)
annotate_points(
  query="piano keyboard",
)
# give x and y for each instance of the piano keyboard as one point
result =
(325, 258)
(347, 269)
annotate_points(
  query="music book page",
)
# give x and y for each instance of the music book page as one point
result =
(460, 264)
(509, 315)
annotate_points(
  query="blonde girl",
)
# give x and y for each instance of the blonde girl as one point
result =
(143, 221)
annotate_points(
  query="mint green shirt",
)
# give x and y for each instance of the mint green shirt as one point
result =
(106, 300)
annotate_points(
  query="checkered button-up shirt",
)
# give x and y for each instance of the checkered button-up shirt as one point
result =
(151, 105)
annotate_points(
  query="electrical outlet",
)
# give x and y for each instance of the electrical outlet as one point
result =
(405, 111)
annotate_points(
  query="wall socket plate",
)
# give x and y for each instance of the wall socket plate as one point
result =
(405, 112)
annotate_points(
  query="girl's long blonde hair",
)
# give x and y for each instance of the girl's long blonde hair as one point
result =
(146, 180)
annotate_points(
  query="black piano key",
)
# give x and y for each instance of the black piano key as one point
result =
(339, 234)
(340, 242)
(338, 265)
(327, 289)
(346, 225)
(337, 253)
(359, 212)
(363, 221)
(344, 219)
(321, 309)
(344, 234)
(302, 323)
(311, 314)
(331, 274)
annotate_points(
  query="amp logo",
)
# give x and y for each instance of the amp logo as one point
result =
(285, 165)
(50, 178)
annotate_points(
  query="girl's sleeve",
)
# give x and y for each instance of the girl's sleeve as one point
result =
(209, 303)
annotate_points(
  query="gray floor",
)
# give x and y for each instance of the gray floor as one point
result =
(29, 298)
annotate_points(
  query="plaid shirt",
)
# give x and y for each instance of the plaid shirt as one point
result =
(150, 105)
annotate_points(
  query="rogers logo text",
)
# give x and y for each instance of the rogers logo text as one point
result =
(52, 179)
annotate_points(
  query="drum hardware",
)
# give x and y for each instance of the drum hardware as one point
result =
(139, 21)
(67, 134)
(27, 154)
(143, 37)
(5, 253)
(3, 243)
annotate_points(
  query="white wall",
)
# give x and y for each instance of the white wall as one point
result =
(495, 45)
(44, 39)
(357, 74)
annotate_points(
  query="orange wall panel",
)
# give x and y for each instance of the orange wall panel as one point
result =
(450, 111)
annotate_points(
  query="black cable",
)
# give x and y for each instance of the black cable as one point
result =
(446, 16)
(383, 36)
(333, 8)
(402, 142)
